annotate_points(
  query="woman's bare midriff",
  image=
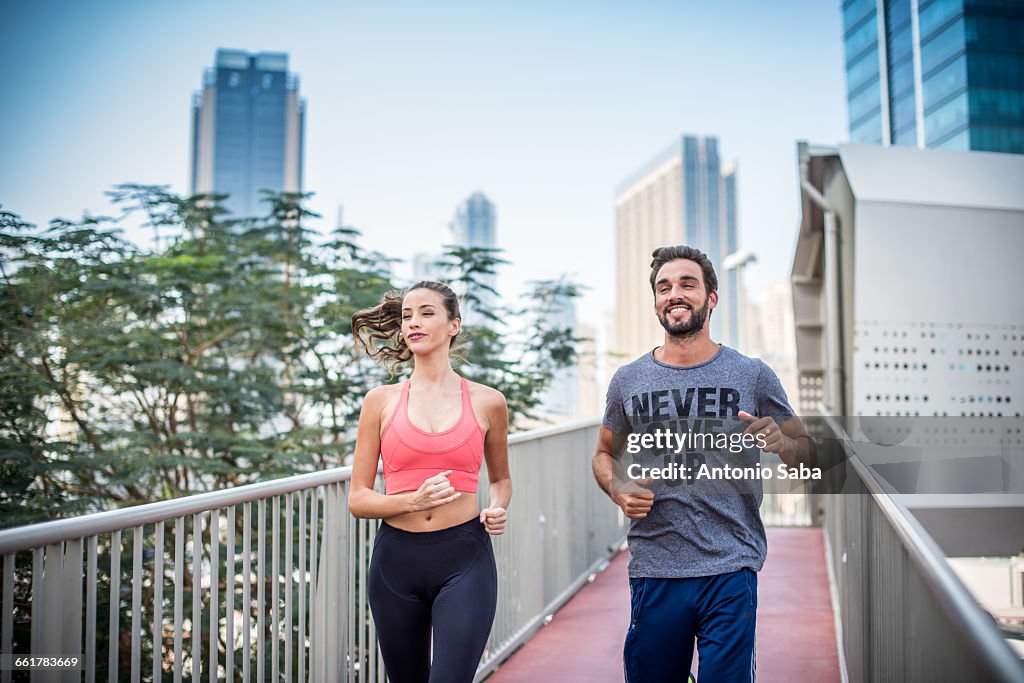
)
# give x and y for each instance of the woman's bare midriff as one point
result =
(462, 509)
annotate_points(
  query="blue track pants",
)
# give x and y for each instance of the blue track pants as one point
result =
(668, 614)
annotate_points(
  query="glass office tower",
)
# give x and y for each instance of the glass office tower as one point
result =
(475, 222)
(936, 73)
(247, 130)
(475, 226)
(731, 286)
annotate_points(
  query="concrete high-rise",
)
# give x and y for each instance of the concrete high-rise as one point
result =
(774, 340)
(936, 73)
(247, 130)
(679, 197)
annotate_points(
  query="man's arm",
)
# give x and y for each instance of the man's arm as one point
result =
(800, 448)
(790, 440)
(629, 495)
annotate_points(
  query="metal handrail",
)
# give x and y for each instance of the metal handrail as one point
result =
(970, 621)
(554, 430)
(45, 533)
(235, 550)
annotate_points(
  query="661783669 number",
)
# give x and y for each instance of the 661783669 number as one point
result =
(44, 662)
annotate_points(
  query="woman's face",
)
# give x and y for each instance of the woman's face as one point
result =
(425, 322)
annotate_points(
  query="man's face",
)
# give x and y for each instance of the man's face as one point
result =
(681, 302)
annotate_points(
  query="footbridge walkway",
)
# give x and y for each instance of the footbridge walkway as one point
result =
(268, 582)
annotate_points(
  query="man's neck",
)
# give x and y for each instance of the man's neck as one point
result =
(687, 351)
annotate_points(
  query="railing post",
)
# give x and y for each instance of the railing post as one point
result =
(158, 600)
(114, 632)
(136, 653)
(196, 633)
(8, 612)
(71, 639)
(179, 596)
(542, 557)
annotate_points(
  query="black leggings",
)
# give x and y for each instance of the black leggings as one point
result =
(445, 580)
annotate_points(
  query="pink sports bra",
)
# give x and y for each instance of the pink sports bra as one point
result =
(411, 455)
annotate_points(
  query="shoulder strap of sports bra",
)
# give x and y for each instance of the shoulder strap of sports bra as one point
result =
(467, 405)
(401, 412)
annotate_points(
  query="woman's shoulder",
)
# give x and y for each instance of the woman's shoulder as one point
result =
(382, 394)
(487, 396)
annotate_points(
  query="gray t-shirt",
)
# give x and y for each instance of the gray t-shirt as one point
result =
(701, 524)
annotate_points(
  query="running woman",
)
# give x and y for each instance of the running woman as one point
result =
(432, 572)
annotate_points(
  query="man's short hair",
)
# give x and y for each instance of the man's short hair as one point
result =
(663, 255)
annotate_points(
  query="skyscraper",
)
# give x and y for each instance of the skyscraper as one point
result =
(474, 222)
(936, 73)
(730, 226)
(561, 396)
(475, 226)
(247, 130)
(678, 197)
(424, 267)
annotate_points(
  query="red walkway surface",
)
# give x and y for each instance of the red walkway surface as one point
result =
(795, 630)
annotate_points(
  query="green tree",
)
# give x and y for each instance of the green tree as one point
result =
(221, 357)
(514, 348)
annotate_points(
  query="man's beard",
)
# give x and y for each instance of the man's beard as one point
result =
(687, 328)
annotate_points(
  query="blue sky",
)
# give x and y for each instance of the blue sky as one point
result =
(544, 106)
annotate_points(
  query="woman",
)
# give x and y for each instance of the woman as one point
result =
(432, 569)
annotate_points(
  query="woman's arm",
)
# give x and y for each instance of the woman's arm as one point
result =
(496, 452)
(366, 503)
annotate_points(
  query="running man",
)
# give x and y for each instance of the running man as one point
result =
(696, 540)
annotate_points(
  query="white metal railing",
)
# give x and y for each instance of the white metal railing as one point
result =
(268, 581)
(182, 579)
(561, 528)
(904, 615)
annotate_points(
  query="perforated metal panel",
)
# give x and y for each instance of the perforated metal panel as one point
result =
(916, 312)
(934, 369)
(811, 389)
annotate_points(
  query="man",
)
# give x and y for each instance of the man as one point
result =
(693, 414)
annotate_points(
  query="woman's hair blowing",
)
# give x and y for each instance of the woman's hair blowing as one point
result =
(378, 330)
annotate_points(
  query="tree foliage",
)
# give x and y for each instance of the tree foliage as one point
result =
(222, 357)
(514, 348)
